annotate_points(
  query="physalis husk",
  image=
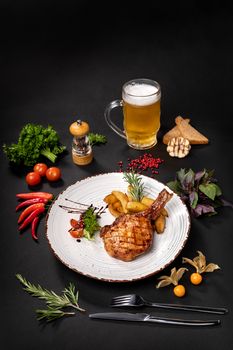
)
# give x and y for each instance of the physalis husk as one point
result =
(174, 277)
(199, 262)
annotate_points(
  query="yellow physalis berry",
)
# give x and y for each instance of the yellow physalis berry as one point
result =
(174, 277)
(179, 290)
(196, 278)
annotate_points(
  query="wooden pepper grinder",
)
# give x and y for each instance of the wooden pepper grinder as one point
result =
(81, 148)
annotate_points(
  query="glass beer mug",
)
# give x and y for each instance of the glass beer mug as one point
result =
(141, 113)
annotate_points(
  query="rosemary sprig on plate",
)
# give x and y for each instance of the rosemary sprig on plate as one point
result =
(55, 303)
(136, 187)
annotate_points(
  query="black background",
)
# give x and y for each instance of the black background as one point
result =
(65, 59)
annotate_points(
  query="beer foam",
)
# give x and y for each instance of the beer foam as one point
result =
(140, 94)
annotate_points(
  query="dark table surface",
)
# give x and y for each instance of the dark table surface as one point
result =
(65, 59)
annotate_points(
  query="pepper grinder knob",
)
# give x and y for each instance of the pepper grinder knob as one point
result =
(79, 128)
(81, 147)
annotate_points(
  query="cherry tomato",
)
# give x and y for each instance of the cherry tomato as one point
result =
(33, 178)
(179, 290)
(78, 233)
(53, 174)
(40, 168)
(196, 278)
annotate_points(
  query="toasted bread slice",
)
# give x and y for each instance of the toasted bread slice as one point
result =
(174, 132)
(190, 133)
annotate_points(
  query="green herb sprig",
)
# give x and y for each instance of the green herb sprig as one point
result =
(34, 141)
(136, 188)
(199, 191)
(97, 139)
(55, 303)
(90, 220)
(51, 314)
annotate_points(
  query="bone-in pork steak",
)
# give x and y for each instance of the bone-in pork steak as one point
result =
(131, 235)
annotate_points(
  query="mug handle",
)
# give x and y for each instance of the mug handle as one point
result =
(107, 112)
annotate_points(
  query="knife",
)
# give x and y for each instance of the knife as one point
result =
(142, 317)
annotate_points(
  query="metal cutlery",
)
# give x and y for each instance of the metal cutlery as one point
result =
(137, 301)
(142, 317)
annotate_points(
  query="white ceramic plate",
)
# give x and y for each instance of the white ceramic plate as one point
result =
(89, 257)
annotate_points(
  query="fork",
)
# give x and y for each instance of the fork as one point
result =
(135, 300)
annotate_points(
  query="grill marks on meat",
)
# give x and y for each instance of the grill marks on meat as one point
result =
(128, 237)
(131, 235)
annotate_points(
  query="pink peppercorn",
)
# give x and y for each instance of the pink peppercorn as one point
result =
(142, 163)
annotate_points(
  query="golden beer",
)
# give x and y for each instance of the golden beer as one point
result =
(141, 109)
(141, 112)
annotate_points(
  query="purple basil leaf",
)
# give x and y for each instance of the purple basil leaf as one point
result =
(208, 177)
(189, 180)
(226, 203)
(174, 186)
(181, 175)
(185, 198)
(209, 190)
(193, 199)
(199, 175)
(218, 190)
(211, 173)
(202, 209)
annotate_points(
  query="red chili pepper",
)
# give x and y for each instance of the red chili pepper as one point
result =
(30, 195)
(34, 226)
(31, 201)
(30, 218)
(28, 210)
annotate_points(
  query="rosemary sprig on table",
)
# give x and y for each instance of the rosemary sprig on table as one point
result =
(51, 314)
(55, 302)
(136, 187)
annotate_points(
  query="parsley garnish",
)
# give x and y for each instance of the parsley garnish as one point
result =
(91, 225)
(97, 139)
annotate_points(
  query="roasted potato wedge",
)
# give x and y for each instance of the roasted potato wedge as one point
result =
(159, 224)
(113, 211)
(147, 201)
(164, 212)
(122, 197)
(135, 207)
(110, 199)
(117, 206)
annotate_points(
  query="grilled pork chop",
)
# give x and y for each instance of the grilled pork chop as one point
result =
(131, 235)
